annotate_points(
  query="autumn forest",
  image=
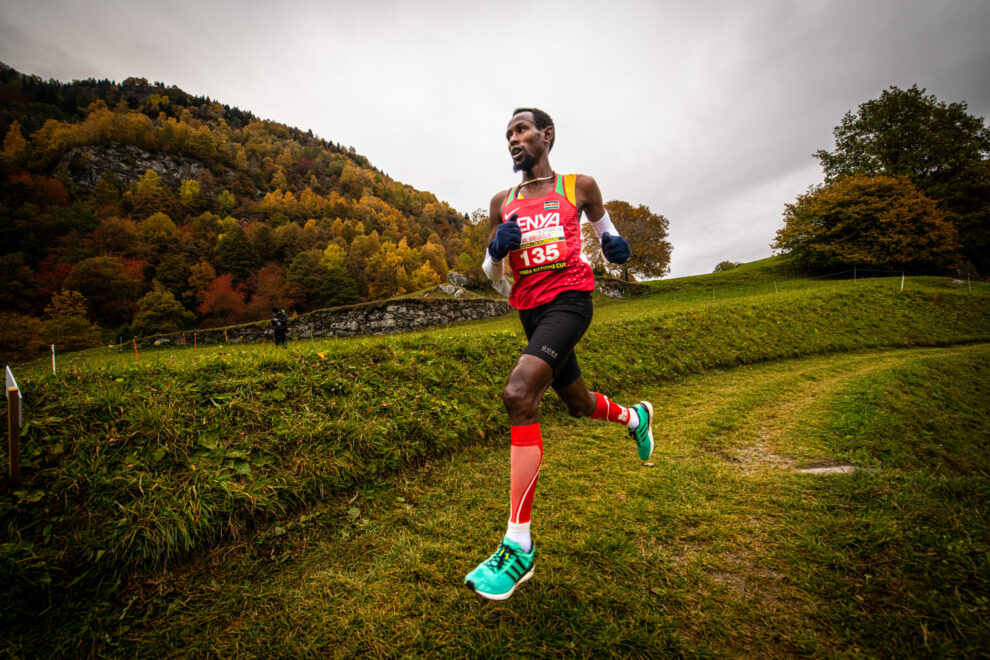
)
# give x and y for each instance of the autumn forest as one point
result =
(135, 208)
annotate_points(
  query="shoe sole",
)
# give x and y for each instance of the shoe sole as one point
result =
(508, 593)
(649, 427)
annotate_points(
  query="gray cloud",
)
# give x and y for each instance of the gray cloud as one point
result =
(708, 112)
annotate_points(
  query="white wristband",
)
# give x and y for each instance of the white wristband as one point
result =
(494, 270)
(603, 225)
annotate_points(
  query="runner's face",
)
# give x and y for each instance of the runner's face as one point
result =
(526, 142)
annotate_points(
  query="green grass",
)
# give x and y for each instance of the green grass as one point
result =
(721, 548)
(333, 496)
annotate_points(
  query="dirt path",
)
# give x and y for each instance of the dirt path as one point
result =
(692, 555)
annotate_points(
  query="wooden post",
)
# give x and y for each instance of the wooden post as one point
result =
(183, 337)
(136, 358)
(225, 337)
(14, 434)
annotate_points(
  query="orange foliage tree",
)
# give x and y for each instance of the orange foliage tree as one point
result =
(222, 303)
(878, 221)
(646, 233)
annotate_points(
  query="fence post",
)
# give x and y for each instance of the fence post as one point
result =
(136, 358)
(53, 359)
(902, 280)
(14, 434)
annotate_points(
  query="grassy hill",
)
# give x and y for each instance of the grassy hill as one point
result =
(349, 484)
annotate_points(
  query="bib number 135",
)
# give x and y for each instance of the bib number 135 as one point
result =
(547, 255)
(539, 255)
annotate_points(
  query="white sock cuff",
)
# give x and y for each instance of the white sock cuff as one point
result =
(633, 422)
(518, 527)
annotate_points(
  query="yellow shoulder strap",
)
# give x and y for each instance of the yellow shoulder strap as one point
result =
(570, 181)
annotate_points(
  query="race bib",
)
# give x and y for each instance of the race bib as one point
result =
(541, 249)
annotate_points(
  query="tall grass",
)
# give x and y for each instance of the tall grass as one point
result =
(130, 467)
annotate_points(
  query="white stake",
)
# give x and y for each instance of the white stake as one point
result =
(53, 359)
(902, 280)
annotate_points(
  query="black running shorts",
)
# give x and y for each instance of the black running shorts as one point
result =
(553, 330)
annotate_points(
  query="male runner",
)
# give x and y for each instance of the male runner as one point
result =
(536, 224)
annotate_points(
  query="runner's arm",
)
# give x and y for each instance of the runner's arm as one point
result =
(589, 200)
(494, 270)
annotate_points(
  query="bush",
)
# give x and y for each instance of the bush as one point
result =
(21, 337)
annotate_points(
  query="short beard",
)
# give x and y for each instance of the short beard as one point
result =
(525, 165)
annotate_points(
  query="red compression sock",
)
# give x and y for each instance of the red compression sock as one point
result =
(605, 408)
(526, 456)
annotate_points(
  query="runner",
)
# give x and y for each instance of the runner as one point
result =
(536, 224)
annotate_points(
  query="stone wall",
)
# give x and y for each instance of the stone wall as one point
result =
(367, 319)
(612, 288)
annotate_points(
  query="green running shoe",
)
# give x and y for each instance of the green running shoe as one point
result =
(643, 434)
(499, 575)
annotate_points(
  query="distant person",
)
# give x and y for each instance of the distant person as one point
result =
(280, 325)
(536, 224)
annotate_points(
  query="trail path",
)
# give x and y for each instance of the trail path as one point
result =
(697, 554)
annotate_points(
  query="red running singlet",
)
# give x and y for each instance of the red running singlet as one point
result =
(549, 260)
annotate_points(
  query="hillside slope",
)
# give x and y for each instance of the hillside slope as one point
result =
(125, 191)
(130, 467)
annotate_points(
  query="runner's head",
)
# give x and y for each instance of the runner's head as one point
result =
(530, 131)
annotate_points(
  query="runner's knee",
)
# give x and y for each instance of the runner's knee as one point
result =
(519, 401)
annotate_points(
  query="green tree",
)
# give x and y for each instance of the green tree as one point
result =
(723, 266)
(940, 147)
(66, 323)
(191, 196)
(236, 255)
(343, 290)
(173, 273)
(311, 279)
(159, 235)
(878, 221)
(159, 312)
(16, 282)
(226, 202)
(263, 241)
(108, 289)
(201, 275)
(148, 195)
(205, 229)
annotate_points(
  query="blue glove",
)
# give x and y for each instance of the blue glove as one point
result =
(615, 248)
(508, 237)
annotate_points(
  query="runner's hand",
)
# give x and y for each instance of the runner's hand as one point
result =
(615, 248)
(508, 237)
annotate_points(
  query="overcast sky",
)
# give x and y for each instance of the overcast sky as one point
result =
(707, 112)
